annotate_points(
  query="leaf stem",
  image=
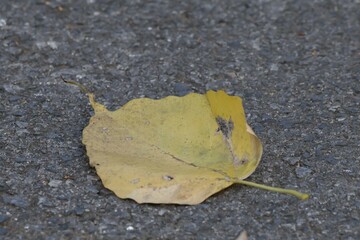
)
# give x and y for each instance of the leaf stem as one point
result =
(302, 196)
(82, 87)
(95, 105)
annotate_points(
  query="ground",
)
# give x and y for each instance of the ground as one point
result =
(294, 63)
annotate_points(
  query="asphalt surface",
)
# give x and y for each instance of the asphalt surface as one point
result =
(294, 63)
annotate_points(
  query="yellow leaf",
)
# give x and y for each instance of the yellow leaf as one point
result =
(174, 150)
(242, 236)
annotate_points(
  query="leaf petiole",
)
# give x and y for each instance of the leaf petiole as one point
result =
(302, 196)
(82, 87)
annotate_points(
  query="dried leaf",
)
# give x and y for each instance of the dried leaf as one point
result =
(174, 150)
(242, 236)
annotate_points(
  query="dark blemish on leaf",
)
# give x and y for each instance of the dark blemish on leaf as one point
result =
(225, 127)
(168, 177)
(222, 124)
(243, 161)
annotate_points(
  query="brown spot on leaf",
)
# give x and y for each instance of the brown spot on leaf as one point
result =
(225, 127)
(168, 177)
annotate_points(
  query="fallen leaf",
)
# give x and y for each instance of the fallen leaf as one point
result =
(174, 150)
(242, 236)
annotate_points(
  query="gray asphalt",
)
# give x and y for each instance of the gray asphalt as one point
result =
(294, 63)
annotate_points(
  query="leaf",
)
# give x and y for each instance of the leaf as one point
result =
(174, 150)
(242, 236)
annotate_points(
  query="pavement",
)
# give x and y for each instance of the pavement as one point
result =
(295, 64)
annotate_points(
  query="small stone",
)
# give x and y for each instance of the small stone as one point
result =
(323, 126)
(3, 231)
(4, 218)
(181, 89)
(21, 124)
(79, 210)
(20, 132)
(234, 44)
(292, 160)
(11, 88)
(20, 159)
(55, 183)
(43, 201)
(14, 98)
(256, 44)
(40, 45)
(63, 198)
(302, 172)
(333, 108)
(64, 226)
(52, 135)
(92, 189)
(286, 123)
(18, 113)
(3, 186)
(17, 201)
(2, 22)
(66, 157)
(92, 178)
(78, 153)
(274, 67)
(14, 50)
(130, 228)
(162, 212)
(52, 44)
(330, 159)
(51, 168)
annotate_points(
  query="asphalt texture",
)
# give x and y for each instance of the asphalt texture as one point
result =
(294, 63)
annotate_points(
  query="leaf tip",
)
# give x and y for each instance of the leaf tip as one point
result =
(82, 87)
(304, 196)
(95, 105)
